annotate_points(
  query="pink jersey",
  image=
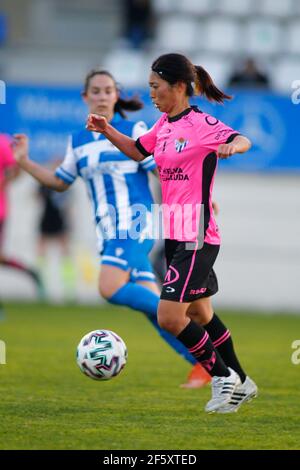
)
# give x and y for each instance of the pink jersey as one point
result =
(6, 161)
(184, 149)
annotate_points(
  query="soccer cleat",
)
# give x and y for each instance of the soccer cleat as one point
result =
(197, 378)
(243, 393)
(222, 390)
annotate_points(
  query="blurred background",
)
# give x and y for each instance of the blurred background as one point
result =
(250, 47)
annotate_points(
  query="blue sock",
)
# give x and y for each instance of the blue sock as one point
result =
(143, 299)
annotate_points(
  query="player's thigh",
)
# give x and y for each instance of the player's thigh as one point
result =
(111, 279)
(201, 310)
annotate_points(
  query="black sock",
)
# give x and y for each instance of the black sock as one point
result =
(199, 344)
(221, 339)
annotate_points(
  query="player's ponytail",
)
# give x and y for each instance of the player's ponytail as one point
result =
(204, 85)
(175, 68)
(132, 104)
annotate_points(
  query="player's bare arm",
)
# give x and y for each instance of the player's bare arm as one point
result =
(124, 143)
(240, 144)
(41, 174)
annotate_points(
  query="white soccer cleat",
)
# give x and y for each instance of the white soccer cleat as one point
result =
(243, 393)
(222, 390)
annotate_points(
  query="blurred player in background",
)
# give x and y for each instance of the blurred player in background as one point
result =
(186, 144)
(114, 184)
(249, 76)
(54, 229)
(8, 172)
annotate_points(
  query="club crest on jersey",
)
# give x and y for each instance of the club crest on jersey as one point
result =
(180, 144)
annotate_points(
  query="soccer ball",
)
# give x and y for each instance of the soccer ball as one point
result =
(101, 354)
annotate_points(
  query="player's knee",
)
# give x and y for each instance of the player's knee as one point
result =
(107, 290)
(201, 318)
(201, 312)
(167, 323)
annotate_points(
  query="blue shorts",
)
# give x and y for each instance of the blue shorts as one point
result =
(130, 255)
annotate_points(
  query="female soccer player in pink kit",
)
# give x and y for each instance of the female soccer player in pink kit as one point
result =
(8, 172)
(186, 144)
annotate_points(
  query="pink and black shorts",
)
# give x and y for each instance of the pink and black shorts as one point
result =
(190, 273)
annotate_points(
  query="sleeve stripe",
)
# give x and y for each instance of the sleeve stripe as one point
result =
(231, 137)
(66, 172)
(67, 178)
(114, 259)
(142, 149)
(149, 166)
(148, 161)
(60, 176)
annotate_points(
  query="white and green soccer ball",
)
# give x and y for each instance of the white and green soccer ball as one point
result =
(101, 354)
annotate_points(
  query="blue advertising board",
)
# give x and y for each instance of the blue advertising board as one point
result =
(48, 115)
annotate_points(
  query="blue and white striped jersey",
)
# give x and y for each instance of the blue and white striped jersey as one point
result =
(114, 182)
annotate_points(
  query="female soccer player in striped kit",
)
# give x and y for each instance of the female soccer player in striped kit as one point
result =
(186, 144)
(115, 183)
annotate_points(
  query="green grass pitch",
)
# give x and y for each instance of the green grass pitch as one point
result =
(47, 403)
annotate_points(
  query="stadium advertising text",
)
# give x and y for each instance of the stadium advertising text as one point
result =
(50, 114)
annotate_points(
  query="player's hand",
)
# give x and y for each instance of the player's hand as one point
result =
(215, 207)
(20, 147)
(96, 123)
(226, 150)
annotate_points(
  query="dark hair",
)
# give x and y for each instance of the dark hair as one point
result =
(174, 68)
(132, 104)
